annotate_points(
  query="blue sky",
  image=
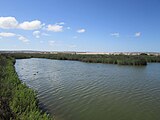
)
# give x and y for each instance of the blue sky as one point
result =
(80, 25)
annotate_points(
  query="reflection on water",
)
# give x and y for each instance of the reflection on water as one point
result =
(72, 90)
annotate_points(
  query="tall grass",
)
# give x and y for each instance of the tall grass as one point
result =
(17, 101)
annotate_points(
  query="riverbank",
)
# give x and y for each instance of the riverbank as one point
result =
(17, 101)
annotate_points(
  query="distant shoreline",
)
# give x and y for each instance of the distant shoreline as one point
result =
(79, 53)
(139, 59)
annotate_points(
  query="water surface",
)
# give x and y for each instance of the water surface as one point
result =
(72, 90)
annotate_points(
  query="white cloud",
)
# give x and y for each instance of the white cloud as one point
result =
(51, 43)
(8, 22)
(7, 34)
(60, 23)
(55, 28)
(33, 25)
(23, 39)
(137, 34)
(11, 22)
(36, 34)
(115, 34)
(19, 37)
(81, 30)
(68, 28)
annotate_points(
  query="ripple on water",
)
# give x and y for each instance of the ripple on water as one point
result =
(72, 90)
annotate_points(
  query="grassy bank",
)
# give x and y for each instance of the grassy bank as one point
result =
(121, 59)
(17, 101)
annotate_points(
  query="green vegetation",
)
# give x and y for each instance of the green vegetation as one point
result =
(121, 59)
(17, 101)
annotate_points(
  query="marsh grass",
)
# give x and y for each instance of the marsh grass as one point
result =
(136, 60)
(17, 101)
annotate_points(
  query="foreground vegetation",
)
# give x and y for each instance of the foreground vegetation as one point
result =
(121, 59)
(17, 101)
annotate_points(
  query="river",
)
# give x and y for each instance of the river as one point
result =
(72, 90)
